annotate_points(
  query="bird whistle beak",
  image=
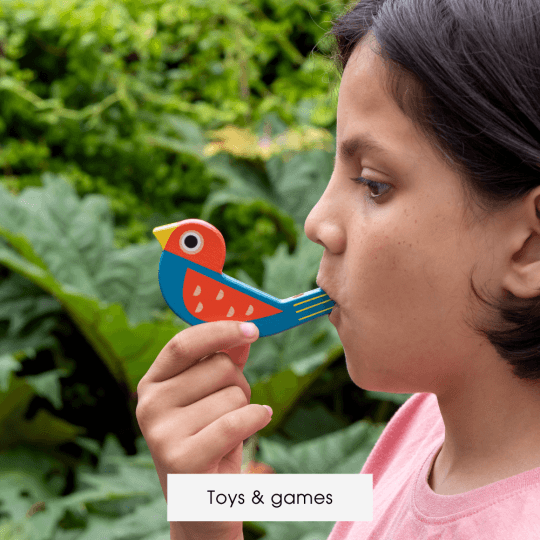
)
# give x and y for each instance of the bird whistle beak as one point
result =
(164, 232)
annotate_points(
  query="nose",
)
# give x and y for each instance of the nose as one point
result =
(324, 224)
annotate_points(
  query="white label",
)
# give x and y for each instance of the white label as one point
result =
(269, 497)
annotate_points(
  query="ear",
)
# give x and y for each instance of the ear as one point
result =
(522, 277)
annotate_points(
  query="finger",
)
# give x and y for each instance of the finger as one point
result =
(194, 343)
(207, 377)
(225, 433)
(187, 421)
(238, 355)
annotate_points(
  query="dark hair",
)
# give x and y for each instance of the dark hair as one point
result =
(467, 73)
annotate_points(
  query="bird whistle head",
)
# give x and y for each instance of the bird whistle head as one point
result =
(194, 240)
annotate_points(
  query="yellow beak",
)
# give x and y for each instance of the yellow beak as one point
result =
(164, 232)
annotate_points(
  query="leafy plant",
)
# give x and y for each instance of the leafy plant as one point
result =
(45, 226)
(64, 245)
(86, 85)
(121, 498)
(118, 116)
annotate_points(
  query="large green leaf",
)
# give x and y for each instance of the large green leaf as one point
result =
(28, 477)
(120, 500)
(127, 350)
(295, 184)
(72, 238)
(341, 452)
(31, 222)
(300, 181)
(282, 390)
(30, 314)
(43, 428)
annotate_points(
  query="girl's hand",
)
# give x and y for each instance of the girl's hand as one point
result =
(194, 413)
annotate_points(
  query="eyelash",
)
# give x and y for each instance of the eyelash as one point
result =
(371, 185)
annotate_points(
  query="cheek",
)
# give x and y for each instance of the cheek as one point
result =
(407, 300)
(385, 265)
(377, 248)
(376, 251)
(398, 284)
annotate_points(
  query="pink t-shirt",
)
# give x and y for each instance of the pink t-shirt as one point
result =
(406, 508)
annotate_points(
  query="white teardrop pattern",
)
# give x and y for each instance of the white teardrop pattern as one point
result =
(220, 295)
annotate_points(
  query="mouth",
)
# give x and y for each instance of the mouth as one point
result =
(334, 315)
(329, 295)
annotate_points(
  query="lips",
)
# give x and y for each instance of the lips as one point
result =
(334, 315)
(326, 291)
(336, 305)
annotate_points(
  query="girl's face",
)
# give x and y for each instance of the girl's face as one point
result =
(398, 265)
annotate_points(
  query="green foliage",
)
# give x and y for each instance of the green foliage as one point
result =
(85, 85)
(28, 315)
(121, 498)
(344, 452)
(44, 429)
(398, 399)
(117, 116)
(64, 245)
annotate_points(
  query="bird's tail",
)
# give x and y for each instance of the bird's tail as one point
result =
(311, 304)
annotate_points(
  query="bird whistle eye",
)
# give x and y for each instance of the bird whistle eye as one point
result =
(191, 242)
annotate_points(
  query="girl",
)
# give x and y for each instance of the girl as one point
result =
(436, 187)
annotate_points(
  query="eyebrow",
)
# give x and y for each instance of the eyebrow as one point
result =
(361, 143)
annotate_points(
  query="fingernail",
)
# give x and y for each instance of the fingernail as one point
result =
(269, 409)
(249, 329)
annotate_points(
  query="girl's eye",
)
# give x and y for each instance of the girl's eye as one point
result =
(373, 186)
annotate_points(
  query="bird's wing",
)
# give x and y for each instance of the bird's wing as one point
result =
(210, 300)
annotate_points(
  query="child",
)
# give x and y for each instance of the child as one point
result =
(436, 180)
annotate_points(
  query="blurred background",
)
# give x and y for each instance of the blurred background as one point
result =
(117, 117)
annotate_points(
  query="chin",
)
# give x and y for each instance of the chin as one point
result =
(373, 381)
